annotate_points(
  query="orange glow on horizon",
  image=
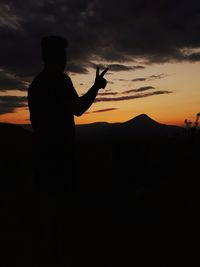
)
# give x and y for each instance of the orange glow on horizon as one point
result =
(182, 79)
(22, 118)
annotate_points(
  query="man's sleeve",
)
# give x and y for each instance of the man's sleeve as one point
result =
(71, 95)
(79, 105)
(70, 88)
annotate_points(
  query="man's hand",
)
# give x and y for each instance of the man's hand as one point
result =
(100, 82)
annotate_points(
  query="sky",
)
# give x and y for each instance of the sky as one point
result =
(152, 49)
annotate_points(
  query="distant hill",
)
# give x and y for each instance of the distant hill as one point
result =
(12, 133)
(140, 121)
(141, 125)
(144, 125)
(15, 157)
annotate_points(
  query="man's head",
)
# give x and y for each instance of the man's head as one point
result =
(54, 51)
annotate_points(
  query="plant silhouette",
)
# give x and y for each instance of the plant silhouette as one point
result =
(192, 127)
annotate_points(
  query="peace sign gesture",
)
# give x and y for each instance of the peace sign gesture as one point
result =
(100, 82)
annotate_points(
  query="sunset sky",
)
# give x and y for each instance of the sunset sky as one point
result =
(152, 49)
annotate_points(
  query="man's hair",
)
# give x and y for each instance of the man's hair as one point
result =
(53, 48)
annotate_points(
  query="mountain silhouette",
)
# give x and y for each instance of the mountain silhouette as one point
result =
(141, 120)
(141, 125)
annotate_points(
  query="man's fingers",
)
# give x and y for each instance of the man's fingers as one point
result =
(104, 72)
(97, 72)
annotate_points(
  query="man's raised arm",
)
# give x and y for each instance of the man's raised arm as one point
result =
(82, 103)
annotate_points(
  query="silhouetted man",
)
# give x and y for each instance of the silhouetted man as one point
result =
(53, 102)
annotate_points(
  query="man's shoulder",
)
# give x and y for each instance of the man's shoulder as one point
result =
(36, 80)
(54, 76)
(46, 77)
(67, 80)
(66, 77)
(50, 80)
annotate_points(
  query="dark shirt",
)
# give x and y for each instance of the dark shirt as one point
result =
(52, 102)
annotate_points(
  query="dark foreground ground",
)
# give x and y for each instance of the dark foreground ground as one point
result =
(124, 188)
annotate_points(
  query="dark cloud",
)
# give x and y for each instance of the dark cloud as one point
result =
(122, 80)
(102, 110)
(194, 57)
(156, 77)
(8, 104)
(108, 30)
(9, 81)
(150, 78)
(139, 80)
(77, 68)
(121, 67)
(118, 67)
(8, 17)
(141, 89)
(108, 93)
(140, 95)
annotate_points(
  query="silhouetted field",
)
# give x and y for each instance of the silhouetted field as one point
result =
(126, 176)
(147, 180)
